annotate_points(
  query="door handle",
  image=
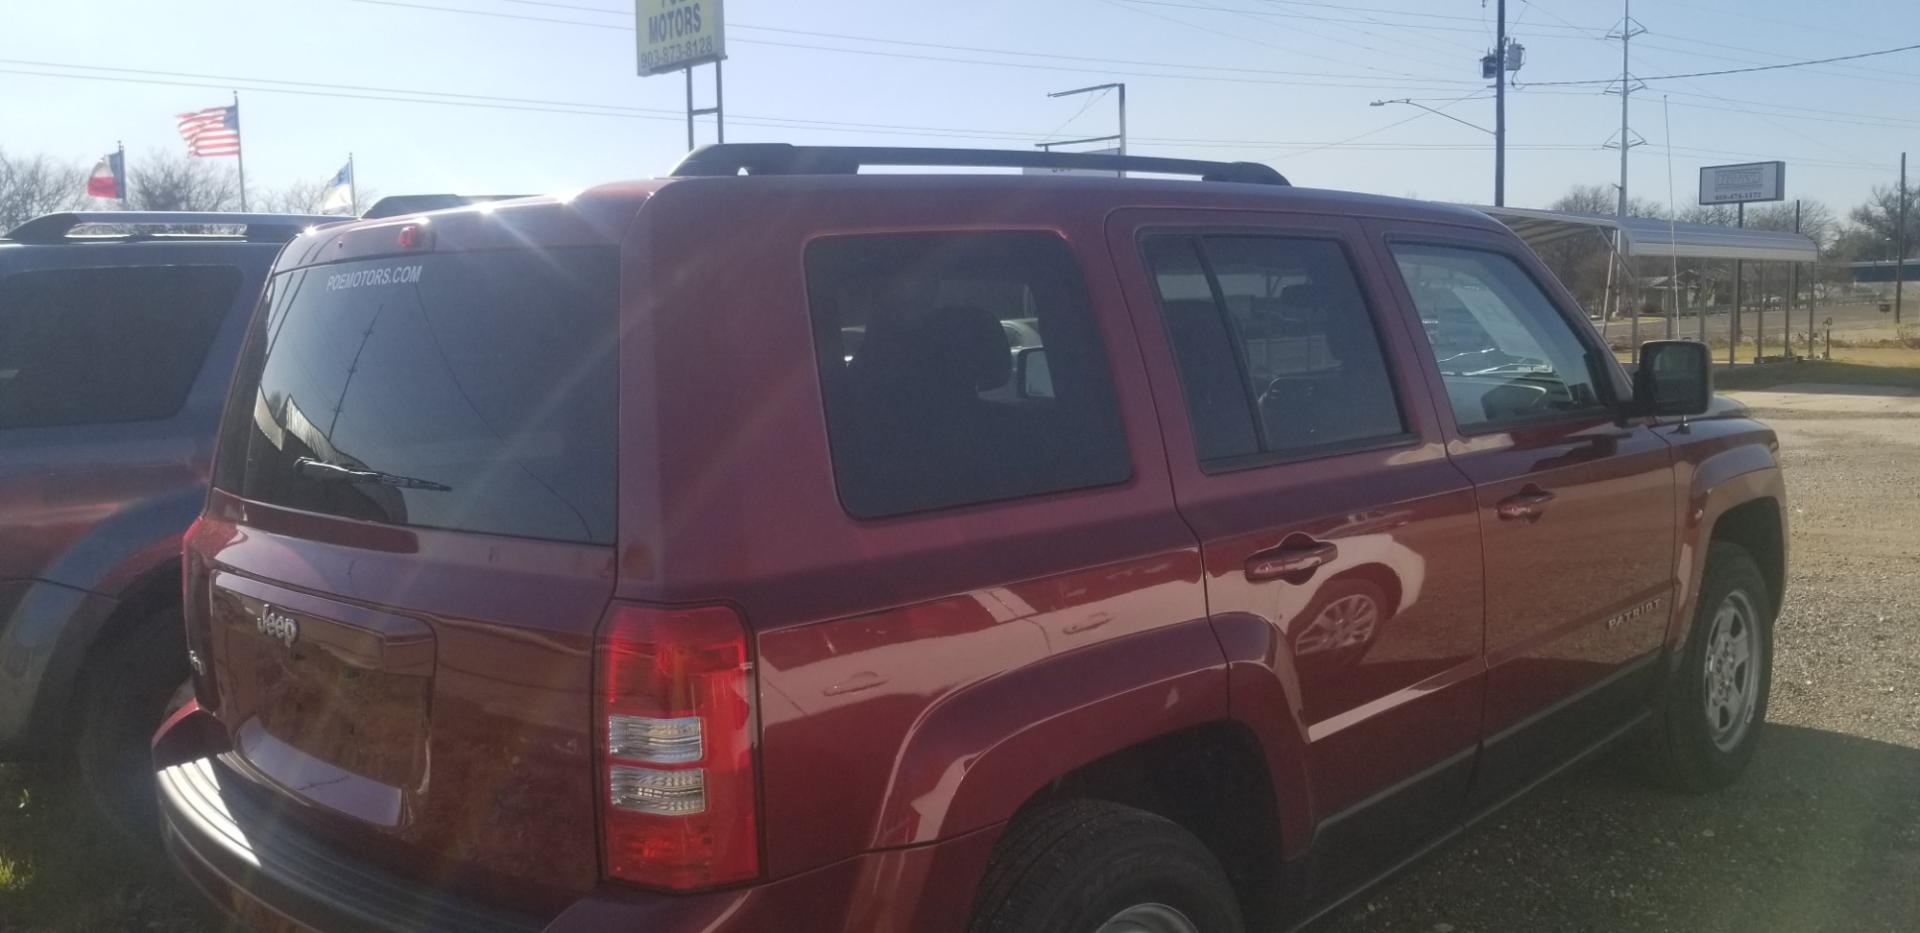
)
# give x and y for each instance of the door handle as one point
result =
(1525, 505)
(1291, 561)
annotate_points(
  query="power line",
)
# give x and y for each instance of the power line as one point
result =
(1595, 34)
(1875, 75)
(1267, 20)
(1324, 19)
(157, 77)
(1077, 114)
(1747, 13)
(1351, 139)
(1057, 55)
(1736, 71)
(1132, 7)
(1380, 82)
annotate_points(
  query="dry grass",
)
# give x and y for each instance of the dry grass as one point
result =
(62, 871)
(1898, 367)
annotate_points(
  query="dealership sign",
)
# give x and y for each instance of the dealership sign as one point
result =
(677, 34)
(1738, 184)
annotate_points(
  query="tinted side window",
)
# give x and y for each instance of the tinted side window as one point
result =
(1286, 319)
(914, 341)
(88, 346)
(1219, 408)
(1505, 353)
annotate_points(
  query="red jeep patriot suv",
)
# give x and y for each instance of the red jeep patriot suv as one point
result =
(780, 547)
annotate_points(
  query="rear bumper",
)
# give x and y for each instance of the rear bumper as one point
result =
(43, 626)
(270, 876)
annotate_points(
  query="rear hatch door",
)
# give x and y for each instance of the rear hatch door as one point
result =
(408, 550)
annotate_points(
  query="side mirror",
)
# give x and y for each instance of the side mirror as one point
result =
(1675, 377)
(1031, 373)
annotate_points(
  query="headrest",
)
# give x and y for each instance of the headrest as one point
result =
(951, 350)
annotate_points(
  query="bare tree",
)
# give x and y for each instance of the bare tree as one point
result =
(37, 184)
(1580, 261)
(1872, 235)
(300, 197)
(1719, 215)
(178, 183)
(1602, 199)
(1817, 220)
(304, 197)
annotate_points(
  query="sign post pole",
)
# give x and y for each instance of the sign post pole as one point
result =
(1900, 250)
(1739, 283)
(1737, 185)
(1793, 296)
(678, 35)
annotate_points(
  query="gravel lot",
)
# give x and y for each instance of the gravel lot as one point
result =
(1823, 834)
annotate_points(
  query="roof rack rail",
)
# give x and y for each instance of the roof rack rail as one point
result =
(260, 228)
(787, 159)
(394, 205)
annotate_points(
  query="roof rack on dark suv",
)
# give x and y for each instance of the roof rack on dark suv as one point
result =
(788, 159)
(255, 228)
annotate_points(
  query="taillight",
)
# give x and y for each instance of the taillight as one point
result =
(674, 718)
(193, 592)
(415, 236)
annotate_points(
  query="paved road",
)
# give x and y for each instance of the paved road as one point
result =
(1823, 834)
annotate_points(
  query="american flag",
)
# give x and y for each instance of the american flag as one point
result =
(214, 131)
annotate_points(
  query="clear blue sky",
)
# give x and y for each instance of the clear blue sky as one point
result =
(1269, 80)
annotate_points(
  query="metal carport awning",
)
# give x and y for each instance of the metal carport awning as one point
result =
(1646, 236)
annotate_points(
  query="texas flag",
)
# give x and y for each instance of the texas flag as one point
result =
(338, 195)
(109, 178)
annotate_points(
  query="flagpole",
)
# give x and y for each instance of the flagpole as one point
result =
(239, 152)
(121, 147)
(353, 186)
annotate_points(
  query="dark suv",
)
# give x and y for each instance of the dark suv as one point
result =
(118, 333)
(709, 554)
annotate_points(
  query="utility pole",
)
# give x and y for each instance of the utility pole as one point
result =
(1500, 110)
(1900, 250)
(1119, 141)
(1673, 237)
(1628, 29)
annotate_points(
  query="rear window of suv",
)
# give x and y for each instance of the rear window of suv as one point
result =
(464, 391)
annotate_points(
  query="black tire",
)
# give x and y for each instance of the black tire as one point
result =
(129, 687)
(1681, 751)
(1069, 867)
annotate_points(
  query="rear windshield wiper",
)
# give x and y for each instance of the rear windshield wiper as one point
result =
(335, 473)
